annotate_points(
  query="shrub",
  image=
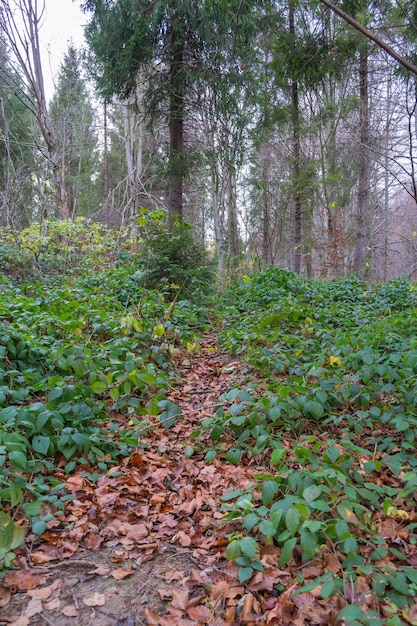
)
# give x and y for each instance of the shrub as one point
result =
(175, 262)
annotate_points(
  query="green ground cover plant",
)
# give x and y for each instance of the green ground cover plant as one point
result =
(330, 408)
(76, 351)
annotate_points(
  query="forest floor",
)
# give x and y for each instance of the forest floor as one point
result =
(145, 544)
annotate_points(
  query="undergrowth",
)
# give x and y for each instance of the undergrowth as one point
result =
(330, 419)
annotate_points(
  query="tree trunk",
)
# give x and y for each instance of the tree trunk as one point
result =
(232, 230)
(105, 167)
(22, 36)
(359, 255)
(296, 159)
(133, 147)
(176, 120)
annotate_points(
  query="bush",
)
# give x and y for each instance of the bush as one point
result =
(174, 262)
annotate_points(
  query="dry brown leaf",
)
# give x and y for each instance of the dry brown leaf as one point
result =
(121, 573)
(183, 539)
(200, 614)
(52, 605)
(179, 599)
(43, 592)
(171, 575)
(34, 607)
(23, 580)
(20, 621)
(93, 541)
(5, 595)
(151, 616)
(70, 611)
(136, 532)
(251, 608)
(96, 599)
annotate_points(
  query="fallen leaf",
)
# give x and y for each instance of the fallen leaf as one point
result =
(183, 539)
(52, 605)
(43, 592)
(200, 614)
(121, 573)
(410, 614)
(5, 595)
(151, 616)
(70, 611)
(179, 599)
(23, 580)
(21, 621)
(96, 599)
(34, 607)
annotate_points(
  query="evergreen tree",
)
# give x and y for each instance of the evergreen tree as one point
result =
(17, 151)
(168, 47)
(72, 117)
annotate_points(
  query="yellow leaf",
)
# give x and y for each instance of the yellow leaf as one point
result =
(159, 330)
(335, 360)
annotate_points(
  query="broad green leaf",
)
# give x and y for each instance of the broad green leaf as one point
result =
(249, 547)
(311, 493)
(41, 444)
(159, 330)
(38, 527)
(233, 550)
(328, 589)
(244, 574)
(18, 459)
(269, 491)
(277, 454)
(292, 520)
(33, 508)
(287, 550)
(250, 521)
(267, 528)
(351, 612)
(18, 537)
(16, 494)
(234, 456)
(210, 455)
(99, 386)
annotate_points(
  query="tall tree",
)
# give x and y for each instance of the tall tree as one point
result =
(72, 119)
(19, 31)
(17, 150)
(171, 45)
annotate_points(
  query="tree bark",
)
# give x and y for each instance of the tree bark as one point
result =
(176, 120)
(296, 159)
(365, 31)
(23, 39)
(359, 256)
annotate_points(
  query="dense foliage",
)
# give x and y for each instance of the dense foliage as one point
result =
(76, 352)
(329, 406)
(325, 409)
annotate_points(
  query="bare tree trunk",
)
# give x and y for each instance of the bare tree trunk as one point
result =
(218, 220)
(105, 167)
(359, 255)
(176, 120)
(232, 230)
(132, 118)
(22, 36)
(296, 159)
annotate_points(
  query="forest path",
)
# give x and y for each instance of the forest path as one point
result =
(144, 544)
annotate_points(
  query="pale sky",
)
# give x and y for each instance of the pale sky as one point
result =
(63, 22)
